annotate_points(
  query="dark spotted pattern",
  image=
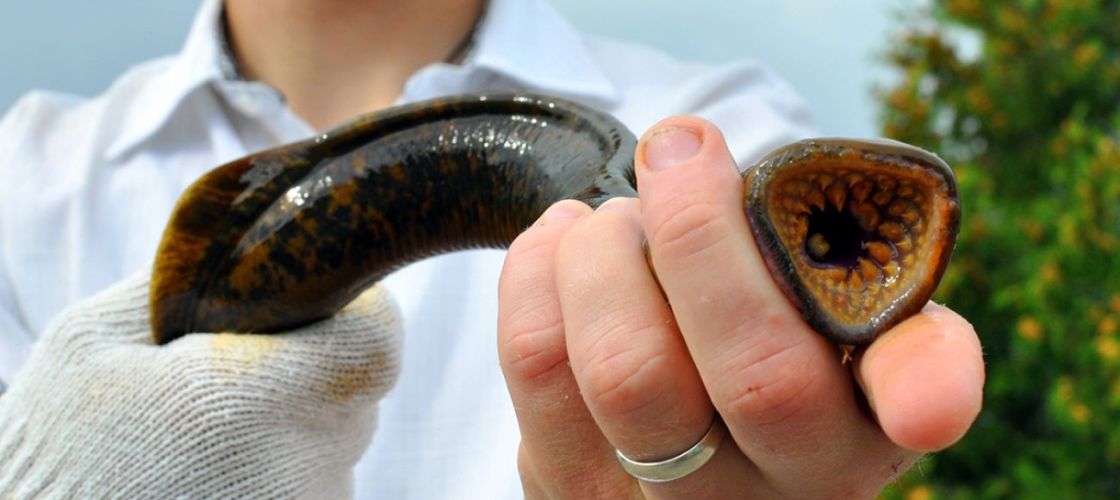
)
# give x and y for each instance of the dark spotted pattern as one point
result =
(290, 235)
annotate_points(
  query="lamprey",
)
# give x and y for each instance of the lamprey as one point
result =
(857, 233)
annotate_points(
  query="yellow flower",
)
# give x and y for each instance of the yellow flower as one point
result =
(1059, 146)
(1108, 348)
(977, 225)
(1031, 227)
(1067, 231)
(1030, 329)
(1105, 241)
(919, 493)
(1065, 389)
(1080, 413)
(979, 99)
(1086, 54)
(1011, 18)
(1050, 272)
(964, 8)
(1107, 326)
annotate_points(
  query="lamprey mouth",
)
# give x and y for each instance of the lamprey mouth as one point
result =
(856, 233)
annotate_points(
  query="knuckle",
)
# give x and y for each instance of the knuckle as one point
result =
(530, 325)
(769, 401)
(691, 230)
(532, 346)
(616, 222)
(528, 268)
(529, 246)
(769, 381)
(623, 381)
(538, 240)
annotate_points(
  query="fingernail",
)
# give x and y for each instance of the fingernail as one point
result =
(612, 203)
(562, 210)
(670, 147)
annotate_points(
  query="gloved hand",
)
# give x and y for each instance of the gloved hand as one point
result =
(99, 410)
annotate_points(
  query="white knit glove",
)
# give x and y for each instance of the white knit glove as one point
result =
(100, 411)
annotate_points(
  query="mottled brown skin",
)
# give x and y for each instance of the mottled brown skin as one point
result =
(289, 236)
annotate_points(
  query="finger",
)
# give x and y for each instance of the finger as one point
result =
(562, 454)
(630, 362)
(924, 379)
(787, 400)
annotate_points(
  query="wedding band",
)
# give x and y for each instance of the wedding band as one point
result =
(681, 465)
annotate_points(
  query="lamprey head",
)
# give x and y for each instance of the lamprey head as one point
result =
(856, 233)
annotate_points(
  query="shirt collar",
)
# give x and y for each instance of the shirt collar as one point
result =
(523, 40)
(201, 60)
(529, 42)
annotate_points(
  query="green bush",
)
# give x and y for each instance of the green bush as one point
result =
(1031, 123)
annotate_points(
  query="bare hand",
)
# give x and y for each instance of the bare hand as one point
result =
(596, 359)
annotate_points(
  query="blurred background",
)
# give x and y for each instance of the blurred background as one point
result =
(828, 50)
(1021, 96)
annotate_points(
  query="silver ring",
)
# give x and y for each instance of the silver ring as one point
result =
(681, 465)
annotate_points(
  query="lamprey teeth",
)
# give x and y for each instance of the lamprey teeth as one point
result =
(818, 245)
(837, 194)
(857, 234)
(892, 231)
(883, 253)
(861, 189)
(869, 271)
(867, 215)
(815, 199)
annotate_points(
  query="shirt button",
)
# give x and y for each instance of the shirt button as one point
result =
(255, 99)
(247, 104)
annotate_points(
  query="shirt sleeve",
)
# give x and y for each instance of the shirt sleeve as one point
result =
(15, 337)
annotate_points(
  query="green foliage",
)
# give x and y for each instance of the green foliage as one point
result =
(1031, 123)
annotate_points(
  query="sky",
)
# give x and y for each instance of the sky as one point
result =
(829, 51)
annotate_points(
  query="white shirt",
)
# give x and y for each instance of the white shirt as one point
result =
(88, 185)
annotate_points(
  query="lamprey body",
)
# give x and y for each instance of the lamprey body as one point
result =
(290, 235)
